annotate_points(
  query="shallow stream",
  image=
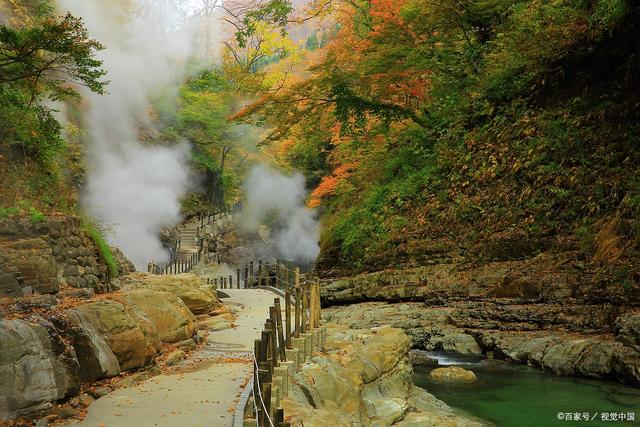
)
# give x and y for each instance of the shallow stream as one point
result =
(509, 394)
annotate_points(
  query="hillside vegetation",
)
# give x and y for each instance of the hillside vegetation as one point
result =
(492, 128)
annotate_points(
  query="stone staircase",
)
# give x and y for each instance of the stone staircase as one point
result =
(187, 238)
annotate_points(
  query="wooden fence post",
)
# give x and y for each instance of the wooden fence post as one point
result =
(281, 343)
(250, 273)
(312, 306)
(319, 301)
(305, 306)
(298, 302)
(266, 394)
(257, 345)
(287, 314)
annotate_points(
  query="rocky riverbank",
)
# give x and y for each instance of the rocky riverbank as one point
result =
(363, 377)
(50, 345)
(542, 311)
(443, 328)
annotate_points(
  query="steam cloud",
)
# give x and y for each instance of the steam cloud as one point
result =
(132, 188)
(274, 197)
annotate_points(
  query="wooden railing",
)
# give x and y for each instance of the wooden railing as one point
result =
(282, 341)
(274, 273)
(175, 266)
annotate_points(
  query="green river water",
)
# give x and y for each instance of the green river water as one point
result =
(509, 394)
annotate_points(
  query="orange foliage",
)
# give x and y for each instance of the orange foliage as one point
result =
(329, 183)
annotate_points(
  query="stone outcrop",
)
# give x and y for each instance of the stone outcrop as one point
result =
(363, 377)
(530, 281)
(627, 328)
(41, 256)
(125, 266)
(451, 306)
(566, 354)
(171, 318)
(191, 289)
(95, 358)
(34, 368)
(134, 343)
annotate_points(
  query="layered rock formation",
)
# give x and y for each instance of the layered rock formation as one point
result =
(363, 377)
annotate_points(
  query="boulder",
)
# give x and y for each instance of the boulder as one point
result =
(133, 343)
(190, 288)
(94, 354)
(454, 341)
(171, 318)
(453, 374)
(33, 370)
(215, 323)
(421, 358)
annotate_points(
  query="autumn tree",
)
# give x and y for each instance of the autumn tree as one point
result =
(45, 61)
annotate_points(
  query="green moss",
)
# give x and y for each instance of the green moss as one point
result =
(104, 249)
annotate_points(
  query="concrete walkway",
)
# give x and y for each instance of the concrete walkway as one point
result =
(202, 394)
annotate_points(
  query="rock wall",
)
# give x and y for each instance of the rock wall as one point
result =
(42, 256)
(550, 279)
(48, 346)
(363, 377)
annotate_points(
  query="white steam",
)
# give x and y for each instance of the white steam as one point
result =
(132, 188)
(278, 199)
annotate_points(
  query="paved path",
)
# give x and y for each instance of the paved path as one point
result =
(202, 395)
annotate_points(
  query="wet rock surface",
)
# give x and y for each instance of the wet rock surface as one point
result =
(453, 374)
